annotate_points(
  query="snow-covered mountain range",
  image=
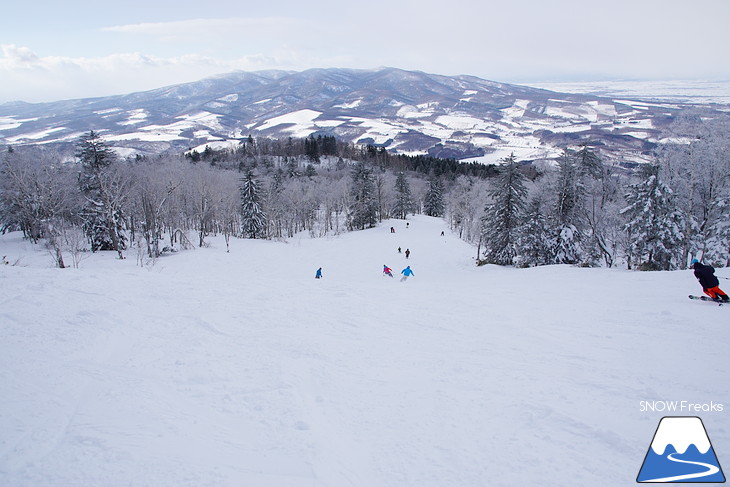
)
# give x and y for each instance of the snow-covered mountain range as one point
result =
(463, 117)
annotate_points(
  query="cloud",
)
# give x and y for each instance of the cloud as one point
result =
(17, 56)
(197, 30)
(29, 77)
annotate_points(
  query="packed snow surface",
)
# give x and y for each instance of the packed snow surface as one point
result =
(240, 369)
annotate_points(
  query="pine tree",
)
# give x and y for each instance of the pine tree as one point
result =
(311, 148)
(589, 163)
(654, 223)
(404, 201)
(275, 210)
(534, 240)
(253, 221)
(502, 220)
(567, 224)
(433, 204)
(363, 204)
(102, 215)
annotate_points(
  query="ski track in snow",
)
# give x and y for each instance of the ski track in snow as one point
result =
(229, 369)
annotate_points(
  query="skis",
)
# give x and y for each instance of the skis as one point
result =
(706, 298)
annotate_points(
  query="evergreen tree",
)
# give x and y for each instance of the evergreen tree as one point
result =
(275, 210)
(311, 148)
(502, 220)
(363, 204)
(589, 163)
(534, 240)
(253, 221)
(654, 224)
(433, 204)
(310, 171)
(567, 225)
(404, 201)
(102, 215)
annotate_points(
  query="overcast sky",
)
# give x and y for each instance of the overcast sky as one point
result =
(51, 50)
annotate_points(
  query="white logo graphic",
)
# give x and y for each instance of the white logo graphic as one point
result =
(681, 452)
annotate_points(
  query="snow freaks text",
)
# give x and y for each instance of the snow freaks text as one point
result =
(680, 407)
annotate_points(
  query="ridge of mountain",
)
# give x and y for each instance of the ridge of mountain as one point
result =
(412, 112)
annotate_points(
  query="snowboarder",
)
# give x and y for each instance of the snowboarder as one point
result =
(710, 285)
(407, 272)
(318, 275)
(408, 253)
(387, 271)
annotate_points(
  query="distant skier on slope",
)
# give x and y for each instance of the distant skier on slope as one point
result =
(387, 271)
(407, 272)
(710, 285)
(318, 275)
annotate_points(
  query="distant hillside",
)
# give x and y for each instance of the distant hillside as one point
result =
(460, 117)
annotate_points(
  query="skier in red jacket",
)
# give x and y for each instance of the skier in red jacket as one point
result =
(710, 285)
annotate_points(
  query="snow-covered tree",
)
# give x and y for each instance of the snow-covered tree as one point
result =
(404, 201)
(567, 225)
(37, 197)
(105, 189)
(433, 203)
(696, 164)
(253, 220)
(503, 218)
(600, 208)
(382, 195)
(152, 195)
(716, 248)
(275, 209)
(534, 241)
(363, 204)
(35, 189)
(589, 163)
(466, 199)
(654, 223)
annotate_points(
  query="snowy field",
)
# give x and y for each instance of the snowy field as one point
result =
(240, 369)
(683, 91)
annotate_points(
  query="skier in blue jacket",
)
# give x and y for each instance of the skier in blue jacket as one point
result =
(407, 272)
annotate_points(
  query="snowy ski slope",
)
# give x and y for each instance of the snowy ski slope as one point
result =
(240, 369)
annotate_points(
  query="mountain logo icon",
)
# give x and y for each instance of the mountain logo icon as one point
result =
(680, 452)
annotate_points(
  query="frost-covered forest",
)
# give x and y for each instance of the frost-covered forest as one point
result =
(580, 209)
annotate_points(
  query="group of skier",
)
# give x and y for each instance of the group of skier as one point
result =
(407, 272)
(705, 274)
(387, 271)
